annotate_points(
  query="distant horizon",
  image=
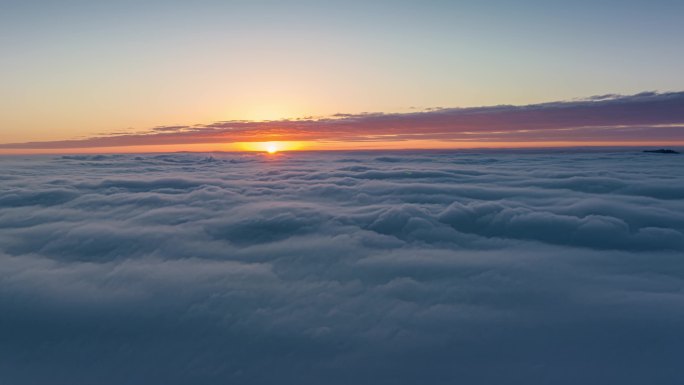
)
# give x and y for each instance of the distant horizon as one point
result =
(582, 148)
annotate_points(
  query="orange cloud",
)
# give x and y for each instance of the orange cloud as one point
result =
(651, 118)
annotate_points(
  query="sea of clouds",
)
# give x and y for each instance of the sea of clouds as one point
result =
(473, 267)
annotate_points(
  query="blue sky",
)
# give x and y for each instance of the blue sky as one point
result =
(78, 68)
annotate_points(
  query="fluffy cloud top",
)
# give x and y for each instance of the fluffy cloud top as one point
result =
(342, 268)
(648, 116)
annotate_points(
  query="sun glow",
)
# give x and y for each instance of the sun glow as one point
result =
(271, 147)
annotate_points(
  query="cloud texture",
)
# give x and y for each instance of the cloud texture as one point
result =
(342, 268)
(648, 116)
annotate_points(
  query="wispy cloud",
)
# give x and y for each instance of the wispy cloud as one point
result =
(645, 116)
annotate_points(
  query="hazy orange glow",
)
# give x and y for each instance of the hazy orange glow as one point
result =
(330, 146)
(272, 147)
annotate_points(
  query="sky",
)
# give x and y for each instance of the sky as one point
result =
(88, 69)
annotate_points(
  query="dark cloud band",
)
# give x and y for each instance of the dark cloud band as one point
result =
(607, 118)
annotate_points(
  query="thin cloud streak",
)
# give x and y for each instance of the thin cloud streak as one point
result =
(608, 118)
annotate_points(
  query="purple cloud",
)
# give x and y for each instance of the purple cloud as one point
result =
(604, 118)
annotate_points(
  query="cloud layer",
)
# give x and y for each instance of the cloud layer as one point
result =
(648, 116)
(342, 268)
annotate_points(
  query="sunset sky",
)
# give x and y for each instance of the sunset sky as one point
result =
(204, 75)
(341, 192)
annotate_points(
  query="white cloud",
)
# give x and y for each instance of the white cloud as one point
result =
(338, 268)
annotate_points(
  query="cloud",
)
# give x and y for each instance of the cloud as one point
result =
(342, 268)
(647, 116)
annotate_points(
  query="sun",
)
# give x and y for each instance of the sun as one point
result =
(271, 147)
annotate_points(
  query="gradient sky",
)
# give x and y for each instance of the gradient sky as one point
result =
(82, 69)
